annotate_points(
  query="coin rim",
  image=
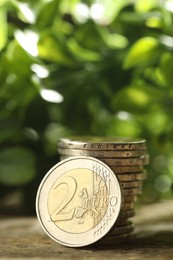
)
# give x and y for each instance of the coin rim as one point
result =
(122, 144)
(134, 161)
(136, 153)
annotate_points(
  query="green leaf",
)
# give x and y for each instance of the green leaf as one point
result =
(145, 6)
(112, 8)
(142, 52)
(166, 67)
(52, 49)
(47, 14)
(3, 28)
(91, 33)
(114, 40)
(17, 166)
(83, 53)
(134, 99)
(3, 70)
(18, 60)
(3, 2)
(154, 22)
(123, 127)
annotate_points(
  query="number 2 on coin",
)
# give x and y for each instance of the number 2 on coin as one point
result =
(71, 190)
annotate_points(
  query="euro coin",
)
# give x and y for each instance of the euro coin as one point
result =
(122, 222)
(128, 206)
(143, 160)
(102, 143)
(132, 176)
(129, 198)
(120, 161)
(126, 214)
(127, 169)
(78, 201)
(103, 153)
(126, 158)
(121, 230)
(112, 240)
(131, 184)
(132, 191)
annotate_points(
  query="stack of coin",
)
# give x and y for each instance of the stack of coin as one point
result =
(126, 158)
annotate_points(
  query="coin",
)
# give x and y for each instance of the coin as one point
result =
(103, 153)
(126, 214)
(132, 191)
(126, 158)
(120, 162)
(125, 162)
(122, 222)
(126, 169)
(96, 143)
(131, 184)
(121, 230)
(78, 201)
(128, 206)
(129, 198)
(114, 239)
(132, 177)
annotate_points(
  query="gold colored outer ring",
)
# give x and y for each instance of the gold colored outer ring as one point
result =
(80, 239)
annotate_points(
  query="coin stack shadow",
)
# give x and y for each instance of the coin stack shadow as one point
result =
(126, 158)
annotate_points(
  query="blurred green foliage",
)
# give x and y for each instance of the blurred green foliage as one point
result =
(84, 67)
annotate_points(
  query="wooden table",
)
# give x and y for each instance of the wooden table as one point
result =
(23, 238)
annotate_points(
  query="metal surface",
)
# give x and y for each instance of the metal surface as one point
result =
(124, 161)
(127, 206)
(132, 191)
(129, 198)
(96, 143)
(114, 239)
(131, 184)
(132, 177)
(78, 201)
(128, 228)
(143, 160)
(126, 169)
(103, 153)
(126, 214)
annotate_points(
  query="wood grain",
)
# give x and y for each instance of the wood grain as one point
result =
(22, 237)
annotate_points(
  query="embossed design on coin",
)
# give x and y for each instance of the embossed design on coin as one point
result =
(78, 201)
(76, 204)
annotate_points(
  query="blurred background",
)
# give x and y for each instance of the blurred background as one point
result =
(86, 67)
